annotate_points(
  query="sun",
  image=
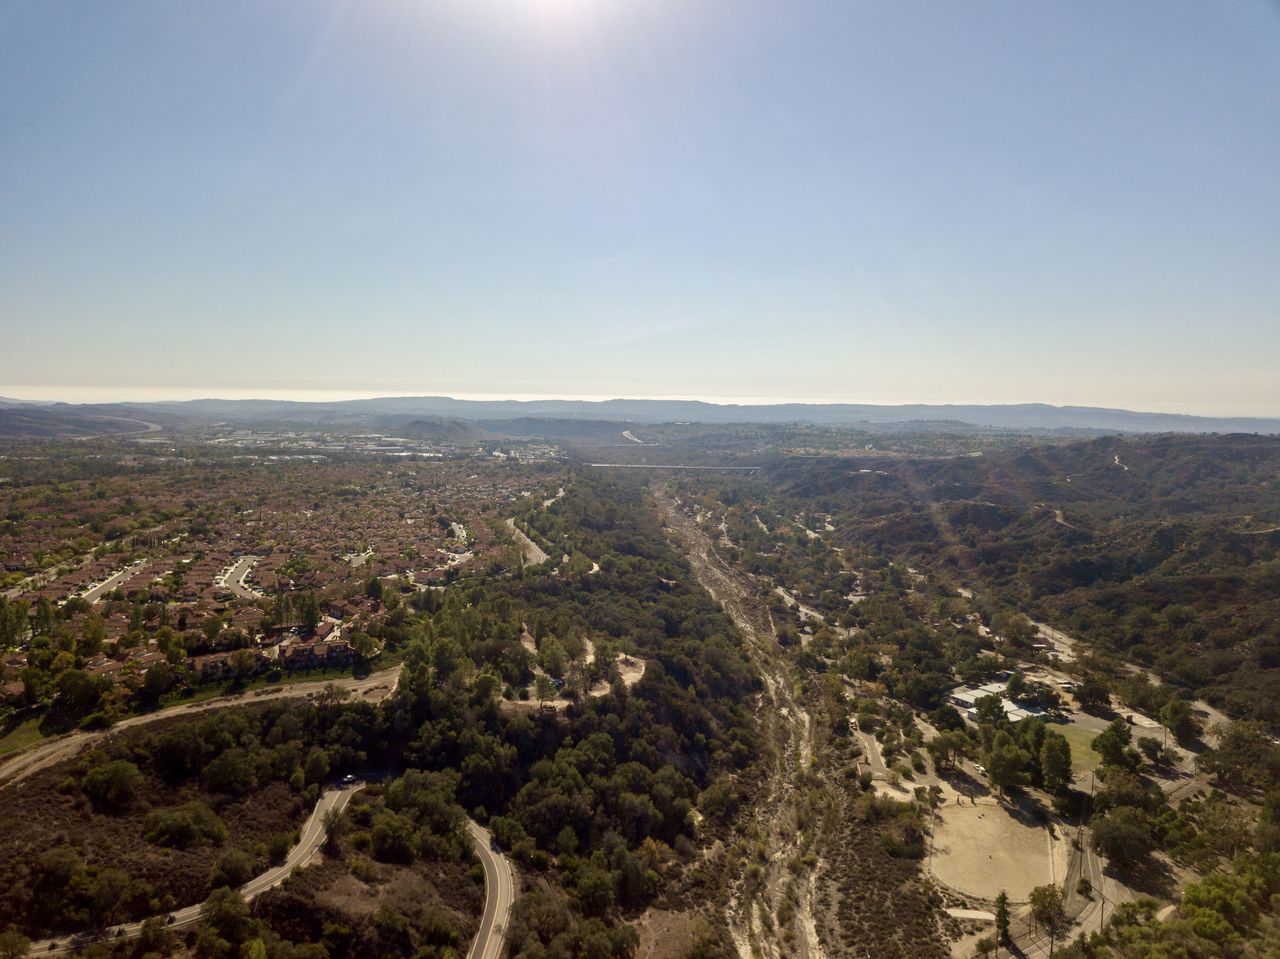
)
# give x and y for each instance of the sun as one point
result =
(568, 11)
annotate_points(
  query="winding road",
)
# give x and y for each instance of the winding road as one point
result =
(500, 894)
(498, 876)
(499, 880)
(309, 843)
(500, 886)
(533, 553)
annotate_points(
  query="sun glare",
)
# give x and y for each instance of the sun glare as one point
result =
(567, 13)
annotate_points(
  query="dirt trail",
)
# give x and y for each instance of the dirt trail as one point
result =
(787, 729)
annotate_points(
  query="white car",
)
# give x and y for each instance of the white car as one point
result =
(982, 770)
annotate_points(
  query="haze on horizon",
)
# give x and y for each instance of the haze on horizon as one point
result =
(817, 201)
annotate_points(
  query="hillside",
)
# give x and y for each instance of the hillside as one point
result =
(513, 417)
(1166, 550)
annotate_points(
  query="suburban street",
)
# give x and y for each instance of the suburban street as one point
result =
(500, 894)
(234, 579)
(111, 582)
(46, 577)
(312, 838)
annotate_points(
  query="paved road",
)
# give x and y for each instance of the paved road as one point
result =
(500, 894)
(48, 576)
(533, 554)
(374, 687)
(312, 838)
(234, 578)
(114, 580)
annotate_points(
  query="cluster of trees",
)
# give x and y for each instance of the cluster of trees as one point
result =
(544, 926)
(1225, 915)
(422, 820)
(59, 890)
(601, 797)
(1131, 817)
(231, 931)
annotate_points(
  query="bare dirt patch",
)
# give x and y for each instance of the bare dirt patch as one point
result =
(980, 850)
(668, 935)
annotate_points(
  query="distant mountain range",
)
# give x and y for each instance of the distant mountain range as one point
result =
(61, 419)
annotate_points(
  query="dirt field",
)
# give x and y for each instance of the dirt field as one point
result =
(982, 849)
(668, 935)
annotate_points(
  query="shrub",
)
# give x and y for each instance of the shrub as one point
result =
(279, 846)
(234, 869)
(112, 786)
(190, 824)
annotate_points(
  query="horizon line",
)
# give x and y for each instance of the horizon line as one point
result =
(107, 395)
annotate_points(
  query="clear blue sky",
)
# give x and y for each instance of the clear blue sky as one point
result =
(1072, 202)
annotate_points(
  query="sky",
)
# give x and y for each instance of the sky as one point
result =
(826, 200)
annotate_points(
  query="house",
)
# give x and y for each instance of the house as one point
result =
(300, 656)
(336, 652)
(966, 698)
(339, 609)
(218, 666)
(102, 666)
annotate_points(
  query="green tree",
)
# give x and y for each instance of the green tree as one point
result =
(552, 657)
(155, 939)
(13, 944)
(1180, 719)
(989, 709)
(243, 664)
(543, 688)
(309, 611)
(234, 869)
(1002, 917)
(1006, 763)
(1093, 693)
(1112, 744)
(112, 786)
(1151, 749)
(1047, 910)
(232, 772)
(1055, 761)
(227, 915)
(1123, 835)
(211, 628)
(317, 766)
(78, 693)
